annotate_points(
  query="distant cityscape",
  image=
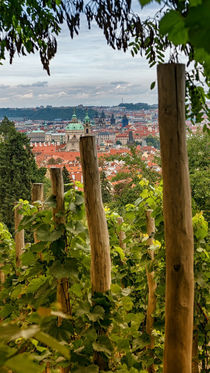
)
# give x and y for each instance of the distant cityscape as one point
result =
(56, 141)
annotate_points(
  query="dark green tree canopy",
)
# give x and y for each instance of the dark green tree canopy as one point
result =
(67, 179)
(18, 170)
(198, 153)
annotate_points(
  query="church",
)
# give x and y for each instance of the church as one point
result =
(74, 130)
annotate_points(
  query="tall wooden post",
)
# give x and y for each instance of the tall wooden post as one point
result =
(19, 237)
(59, 218)
(37, 194)
(177, 220)
(99, 238)
(58, 192)
(122, 235)
(151, 286)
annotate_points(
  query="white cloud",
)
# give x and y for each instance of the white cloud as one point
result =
(85, 70)
(26, 95)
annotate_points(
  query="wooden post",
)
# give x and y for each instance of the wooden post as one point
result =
(58, 192)
(122, 235)
(37, 194)
(59, 218)
(151, 286)
(19, 237)
(99, 238)
(177, 220)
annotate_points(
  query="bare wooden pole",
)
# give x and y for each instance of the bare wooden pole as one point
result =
(177, 220)
(19, 237)
(59, 218)
(122, 235)
(37, 194)
(58, 192)
(99, 238)
(151, 286)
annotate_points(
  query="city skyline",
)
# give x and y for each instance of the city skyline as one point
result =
(84, 71)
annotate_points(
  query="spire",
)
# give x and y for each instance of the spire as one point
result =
(87, 119)
(74, 117)
(87, 123)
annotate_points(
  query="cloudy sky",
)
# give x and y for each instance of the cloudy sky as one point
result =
(84, 71)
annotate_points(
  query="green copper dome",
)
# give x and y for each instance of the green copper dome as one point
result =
(73, 126)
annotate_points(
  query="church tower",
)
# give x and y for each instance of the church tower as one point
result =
(74, 130)
(87, 129)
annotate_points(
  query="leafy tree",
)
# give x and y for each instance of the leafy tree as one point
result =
(67, 179)
(105, 187)
(128, 188)
(153, 141)
(18, 170)
(7, 252)
(198, 154)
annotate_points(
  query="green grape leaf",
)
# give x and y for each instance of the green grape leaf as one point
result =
(173, 25)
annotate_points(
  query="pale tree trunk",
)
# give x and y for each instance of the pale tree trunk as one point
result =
(98, 231)
(58, 215)
(19, 237)
(177, 220)
(151, 287)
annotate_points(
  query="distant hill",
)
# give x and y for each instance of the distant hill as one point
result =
(63, 112)
(46, 113)
(138, 106)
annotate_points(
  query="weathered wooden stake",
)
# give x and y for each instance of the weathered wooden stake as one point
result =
(122, 235)
(59, 218)
(37, 194)
(19, 237)
(177, 220)
(151, 286)
(99, 238)
(58, 192)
